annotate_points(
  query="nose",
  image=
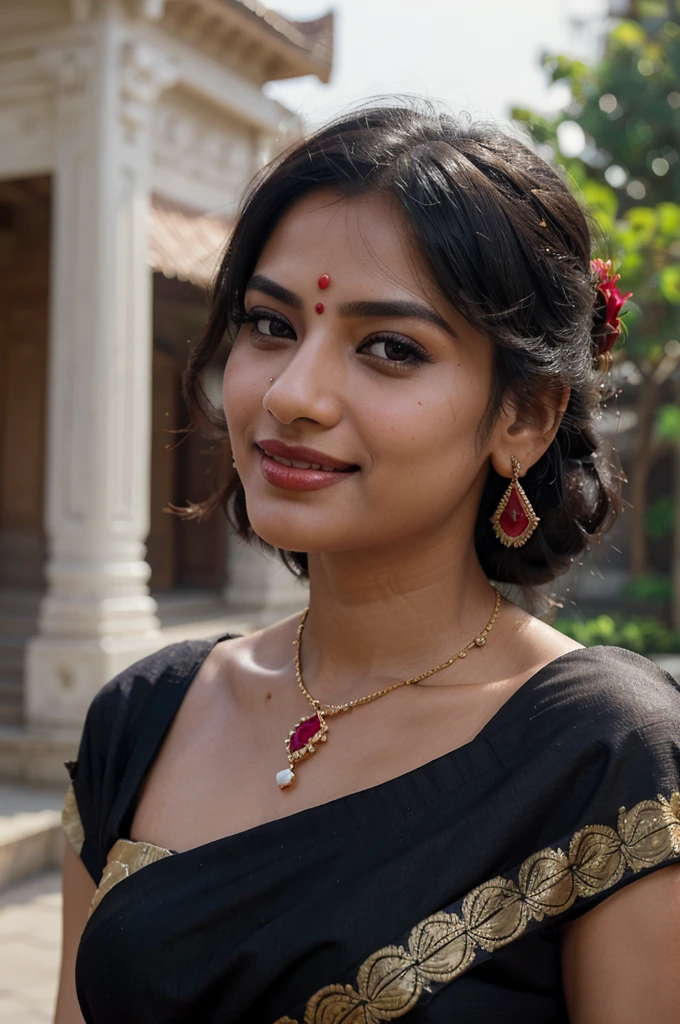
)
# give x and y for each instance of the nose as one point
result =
(309, 386)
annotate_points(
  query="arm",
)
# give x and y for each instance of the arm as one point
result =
(621, 960)
(77, 890)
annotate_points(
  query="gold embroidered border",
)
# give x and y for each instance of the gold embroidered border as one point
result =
(391, 981)
(70, 820)
(125, 857)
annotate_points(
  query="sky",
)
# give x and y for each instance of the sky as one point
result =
(477, 55)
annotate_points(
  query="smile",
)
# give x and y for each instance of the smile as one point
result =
(304, 465)
(313, 473)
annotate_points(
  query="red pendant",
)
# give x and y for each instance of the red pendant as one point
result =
(324, 281)
(301, 743)
(303, 733)
(514, 519)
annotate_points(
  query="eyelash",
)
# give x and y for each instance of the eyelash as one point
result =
(417, 355)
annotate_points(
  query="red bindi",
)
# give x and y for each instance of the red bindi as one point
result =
(324, 281)
(319, 307)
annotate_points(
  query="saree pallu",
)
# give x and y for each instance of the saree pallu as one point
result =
(437, 896)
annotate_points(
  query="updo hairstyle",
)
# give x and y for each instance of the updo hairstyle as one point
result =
(509, 247)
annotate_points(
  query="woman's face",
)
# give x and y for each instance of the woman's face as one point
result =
(375, 371)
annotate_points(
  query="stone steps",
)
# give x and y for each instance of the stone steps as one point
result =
(31, 838)
(12, 649)
(18, 618)
(11, 701)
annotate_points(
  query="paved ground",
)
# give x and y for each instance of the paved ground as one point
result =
(30, 938)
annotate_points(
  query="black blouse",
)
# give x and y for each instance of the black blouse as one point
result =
(436, 896)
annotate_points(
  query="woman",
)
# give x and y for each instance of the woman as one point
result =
(492, 833)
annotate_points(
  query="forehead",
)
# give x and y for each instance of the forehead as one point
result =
(359, 241)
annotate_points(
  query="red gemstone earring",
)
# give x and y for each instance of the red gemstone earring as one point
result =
(514, 520)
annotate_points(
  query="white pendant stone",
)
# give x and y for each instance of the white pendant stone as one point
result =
(285, 778)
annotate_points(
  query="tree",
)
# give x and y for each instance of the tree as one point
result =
(618, 142)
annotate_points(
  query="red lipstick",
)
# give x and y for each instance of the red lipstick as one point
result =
(298, 468)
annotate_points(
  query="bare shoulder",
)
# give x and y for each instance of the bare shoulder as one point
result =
(262, 645)
(260, 655)
(529, 644)
(545, 639)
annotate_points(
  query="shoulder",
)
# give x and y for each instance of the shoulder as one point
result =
(124, 719)
(117, 710)
(168, 664)
(599, 725)
(607, 684)
(132, 687)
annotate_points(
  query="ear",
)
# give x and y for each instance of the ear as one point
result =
(526, 433)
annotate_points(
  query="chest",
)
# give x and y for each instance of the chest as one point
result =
(249, 927)
(215, 773)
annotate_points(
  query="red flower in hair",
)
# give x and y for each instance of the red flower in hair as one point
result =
(615, 301)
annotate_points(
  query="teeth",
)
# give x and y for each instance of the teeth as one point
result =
(296, 464)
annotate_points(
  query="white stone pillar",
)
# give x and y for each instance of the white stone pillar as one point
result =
(97, 615)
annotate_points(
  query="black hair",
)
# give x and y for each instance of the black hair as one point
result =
(509, 247)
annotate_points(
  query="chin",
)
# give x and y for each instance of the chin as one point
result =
(290, 530)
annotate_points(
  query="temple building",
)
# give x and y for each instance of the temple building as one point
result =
(128, 129)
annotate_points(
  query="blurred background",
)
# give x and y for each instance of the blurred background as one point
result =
(128, 129)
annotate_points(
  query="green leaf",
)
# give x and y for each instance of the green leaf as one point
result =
(629, 266)
(642, 226)
(660, 519)
(669, 220)
(602, 199)
(628, 35)
(654, 588)
(669, 283)
(667, 425)
(637, 633)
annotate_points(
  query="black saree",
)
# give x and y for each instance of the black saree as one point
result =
(436, 896)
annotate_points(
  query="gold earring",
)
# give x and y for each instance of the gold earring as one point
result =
(514, 520)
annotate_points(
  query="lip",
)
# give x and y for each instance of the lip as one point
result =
(292, 478)
(302, 454)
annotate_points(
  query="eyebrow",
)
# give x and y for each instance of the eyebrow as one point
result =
(276, 291)
(402, 309)
(396, 308)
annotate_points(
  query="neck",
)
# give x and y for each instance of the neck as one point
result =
(379, 616)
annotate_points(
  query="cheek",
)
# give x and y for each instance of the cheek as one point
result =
(433, 423)
(241, 389)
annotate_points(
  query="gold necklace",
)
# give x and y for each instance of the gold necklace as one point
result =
(302, 739)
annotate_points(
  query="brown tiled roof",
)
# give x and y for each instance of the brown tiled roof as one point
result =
(315, 37)
(185, 243)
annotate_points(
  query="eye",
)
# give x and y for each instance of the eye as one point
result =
(272, 327)
(396, 350)
(265, 324)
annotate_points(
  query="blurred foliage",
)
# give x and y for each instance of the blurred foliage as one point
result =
(628, 168)
(617, 144)
(654, 588)
(644, 635)
(660, 519)
(668, 423)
